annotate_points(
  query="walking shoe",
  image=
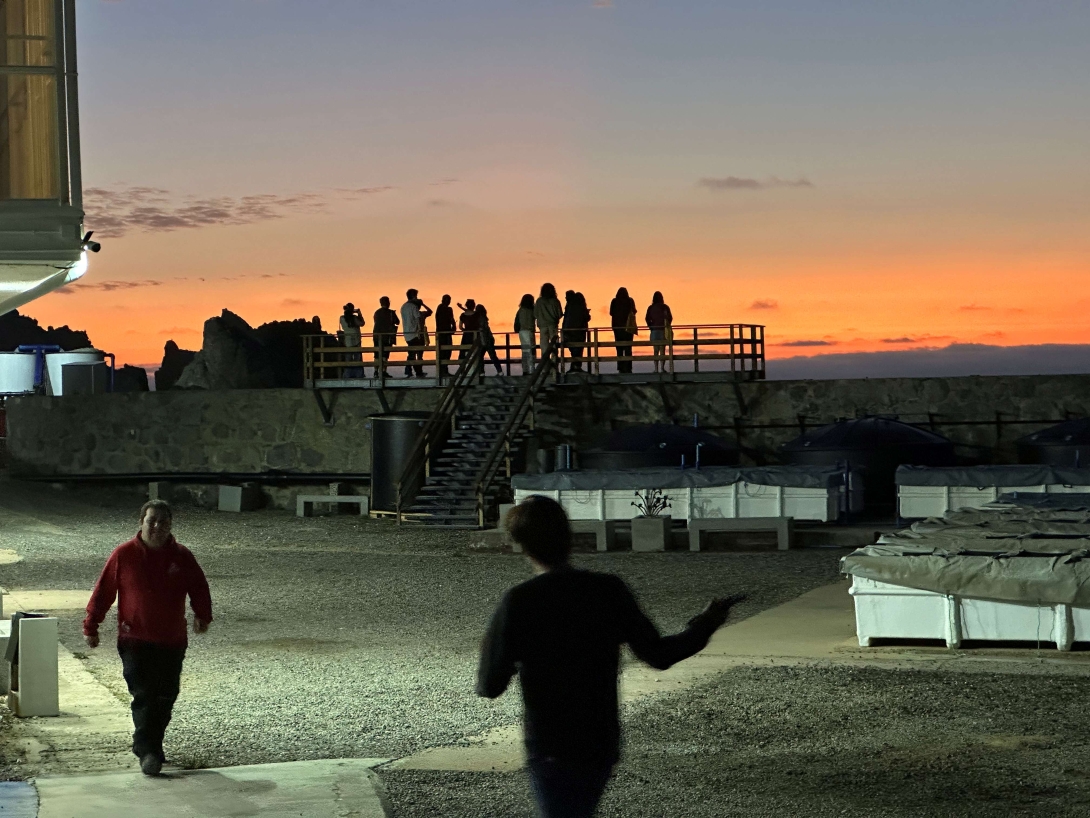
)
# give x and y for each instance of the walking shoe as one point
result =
(150, 764)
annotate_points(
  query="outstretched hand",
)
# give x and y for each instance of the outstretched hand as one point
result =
(719, 609)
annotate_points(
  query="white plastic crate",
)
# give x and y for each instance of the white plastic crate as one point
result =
(934, 501)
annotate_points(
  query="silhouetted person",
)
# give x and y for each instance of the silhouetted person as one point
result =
(548, 312)
(561, 631)
(351, 323)
(576, 322)
(413, 315)
(444, 333)
(150, 577)
(524, 326)
(659, 320)
(468, 324)
(488, 340)
(386, 324)
(622, 315)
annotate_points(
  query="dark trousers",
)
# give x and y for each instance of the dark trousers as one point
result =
(467, 341)
(153, 674)
(566, 789)
(624, 349)
(415, 353)
(443, 339)
(490, 351)
(575, 340)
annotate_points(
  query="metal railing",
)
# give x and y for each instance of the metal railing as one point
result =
(436, 431)
(685, 351)
(500, 453)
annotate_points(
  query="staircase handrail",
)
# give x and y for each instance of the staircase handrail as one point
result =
(439, 424)
(515, 419)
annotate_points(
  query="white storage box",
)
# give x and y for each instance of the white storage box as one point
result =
(886, 611)
(931, 492)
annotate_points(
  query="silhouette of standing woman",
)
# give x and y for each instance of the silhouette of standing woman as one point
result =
(622, 314)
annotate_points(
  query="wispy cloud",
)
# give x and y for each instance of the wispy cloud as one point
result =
(764, 304)
(747, 183)
(903, 340)
(447, 180)
(113, 212)
(356, 193)
(107, 286)
(179, 331)
(602, 4)
(807, 343)
(973, 308)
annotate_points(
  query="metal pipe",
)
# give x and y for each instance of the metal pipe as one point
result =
(72, 89)
(201, 477)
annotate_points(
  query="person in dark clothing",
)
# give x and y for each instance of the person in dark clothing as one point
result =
(468, 323)
(414, 315)
(386, 324)
(561, 633)
(150, 577)
(660, 321)
(444, 333)
(622, 314)
(575, 322)
(488, 339)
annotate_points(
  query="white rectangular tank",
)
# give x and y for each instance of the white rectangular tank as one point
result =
(16, 373)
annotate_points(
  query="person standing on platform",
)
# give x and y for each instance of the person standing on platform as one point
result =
(414, 313)
(524, 326)
(547, 313)
(488, 340)
(561, 632)
(467, 323)
(576, 322)
(150, 577)
(352, 322)
(386, 324)
(622, 315)
(445, 328)
(660, 321)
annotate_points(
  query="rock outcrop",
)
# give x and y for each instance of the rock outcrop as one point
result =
(130, 378)
(17, 330)
(236, 356)
(175, 360)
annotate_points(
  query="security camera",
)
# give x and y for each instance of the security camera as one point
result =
(87, 244)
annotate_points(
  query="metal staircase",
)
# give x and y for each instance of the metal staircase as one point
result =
(487, 428)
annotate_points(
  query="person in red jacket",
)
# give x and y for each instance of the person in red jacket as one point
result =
(150, 576)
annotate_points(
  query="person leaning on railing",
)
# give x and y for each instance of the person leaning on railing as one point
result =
(351, 323)
(660, 321)
(524, 326)
(386, 323)
(467, 323)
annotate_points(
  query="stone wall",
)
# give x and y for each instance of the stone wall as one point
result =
(245, 431)
(256, 430)
(963, 409)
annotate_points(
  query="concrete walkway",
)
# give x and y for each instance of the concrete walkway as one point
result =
(300, 789)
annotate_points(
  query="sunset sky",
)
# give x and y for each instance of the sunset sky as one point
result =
(857, 176)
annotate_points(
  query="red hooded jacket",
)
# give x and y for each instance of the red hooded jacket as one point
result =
(150, 585)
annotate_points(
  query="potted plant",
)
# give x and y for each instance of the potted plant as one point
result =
(650, 529)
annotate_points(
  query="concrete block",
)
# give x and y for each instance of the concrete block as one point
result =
(650, 533)
(34, 687)
(160, 490)
(246, 497)
(504, 508)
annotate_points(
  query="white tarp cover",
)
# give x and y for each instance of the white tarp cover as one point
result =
(22, 282)
(1010, 554)
(820, 477)
(980, 476)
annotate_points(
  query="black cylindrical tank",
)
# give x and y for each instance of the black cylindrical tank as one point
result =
(659, 444)
(393, 436)
(877, 446)
(1065, 444)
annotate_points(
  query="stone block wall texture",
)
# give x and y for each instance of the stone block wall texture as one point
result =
(962, 409)
(246, 431)
(262, 429)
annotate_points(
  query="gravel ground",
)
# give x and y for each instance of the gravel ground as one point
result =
(820, 741)
(340, 636)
